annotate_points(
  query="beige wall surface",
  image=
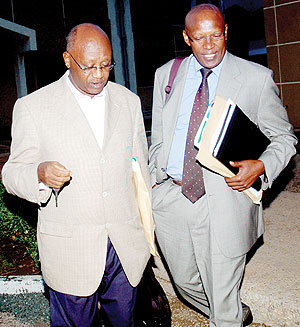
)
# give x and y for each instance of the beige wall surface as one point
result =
(282, 29)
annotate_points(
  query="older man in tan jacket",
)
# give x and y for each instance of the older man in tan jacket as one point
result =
(78, 135)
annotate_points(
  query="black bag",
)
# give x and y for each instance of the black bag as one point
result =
(152, 307)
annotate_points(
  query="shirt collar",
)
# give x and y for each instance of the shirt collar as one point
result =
(80, 95)
(216, 70)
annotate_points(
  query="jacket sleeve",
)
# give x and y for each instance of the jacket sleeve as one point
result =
(273, 121)
(19, 174)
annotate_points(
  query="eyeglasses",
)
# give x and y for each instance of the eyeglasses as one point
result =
(213, 37)
(88, 70)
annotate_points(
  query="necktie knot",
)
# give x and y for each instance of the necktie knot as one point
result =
(205, 72)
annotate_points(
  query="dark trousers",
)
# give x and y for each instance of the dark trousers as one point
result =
(115, 294)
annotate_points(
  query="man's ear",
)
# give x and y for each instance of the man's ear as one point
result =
(186, 38)
(66, 59)
(225, 31)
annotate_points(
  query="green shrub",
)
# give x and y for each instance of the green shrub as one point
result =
(14, 226)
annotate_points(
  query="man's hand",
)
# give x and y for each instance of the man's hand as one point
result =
(53, 174)
(249, 171)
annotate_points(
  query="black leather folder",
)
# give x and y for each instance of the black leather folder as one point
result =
(239, 139)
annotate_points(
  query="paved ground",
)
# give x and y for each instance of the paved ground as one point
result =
(271, 284)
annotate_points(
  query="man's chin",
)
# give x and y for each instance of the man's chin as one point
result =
(209, 61)
(210, 64)
(94, 90)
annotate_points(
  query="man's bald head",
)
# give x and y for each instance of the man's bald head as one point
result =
(84, 31)
(195, 11)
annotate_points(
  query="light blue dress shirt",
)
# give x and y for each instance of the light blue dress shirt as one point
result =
(191, 86)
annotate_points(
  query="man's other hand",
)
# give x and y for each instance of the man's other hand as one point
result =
(249, 171)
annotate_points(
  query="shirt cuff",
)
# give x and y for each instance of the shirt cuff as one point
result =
(43, 186)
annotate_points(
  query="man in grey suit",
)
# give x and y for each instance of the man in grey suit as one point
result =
(205, 241)
(78, 136)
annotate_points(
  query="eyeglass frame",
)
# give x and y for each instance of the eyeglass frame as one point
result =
(88, 70)
(212, 37)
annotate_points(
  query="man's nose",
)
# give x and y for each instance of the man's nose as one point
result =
(208, 42)
(98, 71)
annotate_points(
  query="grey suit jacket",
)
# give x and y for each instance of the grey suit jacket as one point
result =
(99, 201)
(236, 221)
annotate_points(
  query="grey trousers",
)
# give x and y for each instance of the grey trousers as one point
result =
(202, 274)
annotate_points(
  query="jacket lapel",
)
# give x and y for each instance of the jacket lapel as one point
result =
(172, 107)
(72, 113)
(229, 85)
(112, 112)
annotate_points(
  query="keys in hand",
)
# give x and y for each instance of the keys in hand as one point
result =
(55, 175)
(56, 191)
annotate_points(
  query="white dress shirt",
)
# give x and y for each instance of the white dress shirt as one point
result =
(93, 109)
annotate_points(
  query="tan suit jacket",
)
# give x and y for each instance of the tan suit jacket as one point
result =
(236, 221)
(99, 202)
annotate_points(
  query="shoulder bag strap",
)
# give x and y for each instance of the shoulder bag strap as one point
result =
(174, 69)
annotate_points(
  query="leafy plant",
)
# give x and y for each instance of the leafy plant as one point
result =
(4, 263)
(13, 224)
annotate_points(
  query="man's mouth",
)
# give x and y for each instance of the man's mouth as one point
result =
(97, 84)
(210, 56)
